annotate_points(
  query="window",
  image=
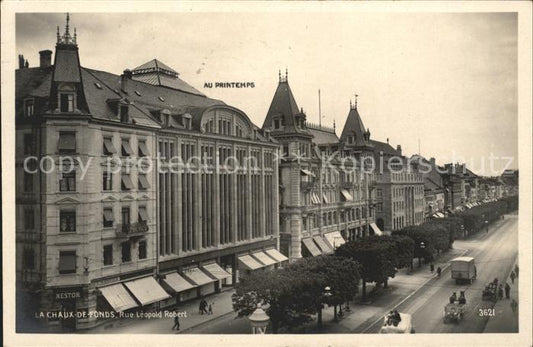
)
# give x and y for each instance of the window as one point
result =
(143, 150)
(29, 222)
(67, 180)
(379, 193)
(379, 207)
(126, 148)
(67, 262)
(29, 107)
(125, 216)
(28, 259)
(124, 114)
(108, 218)
(143, 182)
(67, 221)
(28, 144)
(126, 251)
(142, 249)
(108, 255)
(28, 182)
(67, 142)
(66, 102)
(109, 149)
(127, 184)
(107, 180)
(143, 215)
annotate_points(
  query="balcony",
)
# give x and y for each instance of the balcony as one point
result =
(132, 230)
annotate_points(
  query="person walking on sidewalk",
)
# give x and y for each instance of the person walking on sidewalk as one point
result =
(176, 322)
(507, 290)
(210, 309)
(203, 306)
(432, 267)
(512, 277)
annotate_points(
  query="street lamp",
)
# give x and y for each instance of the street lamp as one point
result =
(259, 320)
(422, 247)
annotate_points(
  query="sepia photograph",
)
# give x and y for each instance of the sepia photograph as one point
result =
(324, 172)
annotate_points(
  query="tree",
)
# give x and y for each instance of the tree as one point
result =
(424, 241)
(376, 256)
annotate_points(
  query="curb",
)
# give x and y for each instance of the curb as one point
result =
(223, 315)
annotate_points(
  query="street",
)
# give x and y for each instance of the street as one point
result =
(494, 254)
(421, 295)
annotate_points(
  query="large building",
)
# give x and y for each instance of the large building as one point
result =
(324, 198)
(152, 210)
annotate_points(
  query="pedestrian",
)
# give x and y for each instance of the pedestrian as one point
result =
(500, 291)
(507, 290)
(203, 306)
(439, 270)
(453, 298)
(176, 322)
(514, 305)
(431, 267)
(512, 277)
(211, 308)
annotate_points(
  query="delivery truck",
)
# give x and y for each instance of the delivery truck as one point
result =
(463, 269)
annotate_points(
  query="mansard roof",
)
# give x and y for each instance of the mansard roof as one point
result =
(354, 126)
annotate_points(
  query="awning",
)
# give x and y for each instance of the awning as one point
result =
(197, 276)
(315, 199)
(108, 145)
(441, 215)
(263, 258)
(334, 239)
(126, 147)
(118, 297)
(377, 230)
(67, 142)
(311, 247)
(325, 198)
(126, 181)
(347, 196)
(177, 283)
(322, 244)
(250, 263)
(108, 215)
(143, 182)
(307, 172)
(215, 270)
(274, 253)
(143, 150)
(143, 215)
(147, 290)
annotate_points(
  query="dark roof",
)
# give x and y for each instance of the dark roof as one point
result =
(323, 136)
(67, 68)
(283, 104)
(159, 74)
(354, 126)
(430, 184)
(28, 80)
(384, 147)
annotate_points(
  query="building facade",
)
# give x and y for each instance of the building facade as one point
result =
(325, 198)
(133, 192)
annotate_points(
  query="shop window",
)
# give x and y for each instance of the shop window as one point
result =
(67, 262)
(67, 221)
(142, 250)
(108, 255)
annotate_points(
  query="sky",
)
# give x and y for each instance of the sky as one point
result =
(440, 84)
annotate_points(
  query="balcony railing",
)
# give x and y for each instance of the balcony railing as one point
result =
(133, 229)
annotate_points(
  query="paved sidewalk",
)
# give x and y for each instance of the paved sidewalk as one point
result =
(222, 306)
(505, 320)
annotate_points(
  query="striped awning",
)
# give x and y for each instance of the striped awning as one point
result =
(334, 239)
(216, 271)
(311, 247)
(376, 229)
(118, 297)
(249, 262)
(322, 244)
(197, 276)
(263, 258)
(274, 253)
(147, 290)
(177, 283)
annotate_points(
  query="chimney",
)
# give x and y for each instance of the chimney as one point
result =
(45, 58)
(126, 75)
(21, 61)
(432, 161)
(399, 149)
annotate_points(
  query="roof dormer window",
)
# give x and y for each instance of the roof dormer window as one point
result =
(278, 123)
(161, 98)
(29, 107)
(66, 102)
(98, 85)
(124, 113)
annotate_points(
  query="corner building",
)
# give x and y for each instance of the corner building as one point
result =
(114, 229)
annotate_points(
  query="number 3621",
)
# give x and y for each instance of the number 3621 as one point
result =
(487, 312)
